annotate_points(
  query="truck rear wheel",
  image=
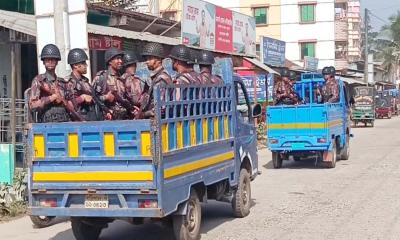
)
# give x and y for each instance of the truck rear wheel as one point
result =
(42, 221)
(331, 163)
(242, 195)
(276, 160)
(345, 151)
(187, 227)
(83, 230)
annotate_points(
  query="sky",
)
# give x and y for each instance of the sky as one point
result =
(381, 8)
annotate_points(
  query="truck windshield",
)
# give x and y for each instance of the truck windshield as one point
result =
(364, 92)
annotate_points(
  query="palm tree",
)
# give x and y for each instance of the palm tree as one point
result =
(388, 43)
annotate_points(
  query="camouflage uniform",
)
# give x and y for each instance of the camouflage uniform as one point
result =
(106, 81)
(159, 78)
(191, 77)
(134, 88)
(43, 86)
(285, 94)
(74, 87)
(330, 91)
(208, 78)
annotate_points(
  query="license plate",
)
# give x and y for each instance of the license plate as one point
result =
(96, 201)
(298, 145)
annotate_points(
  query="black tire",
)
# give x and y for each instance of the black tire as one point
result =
(372, 123)
(83, 230)
(345, 151)
(242, 196)
(276, 160)
(42, 221)
(187, 227)
(332, 163)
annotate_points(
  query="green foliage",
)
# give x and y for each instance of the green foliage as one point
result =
(13, 197)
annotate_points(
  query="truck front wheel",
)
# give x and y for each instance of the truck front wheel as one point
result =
(83, 230)
(277, 160)
(187, 227)
(242, 195)
(330, 157)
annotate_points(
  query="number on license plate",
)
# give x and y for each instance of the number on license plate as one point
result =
(96, 201)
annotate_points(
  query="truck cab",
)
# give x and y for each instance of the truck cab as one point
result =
(311, 128)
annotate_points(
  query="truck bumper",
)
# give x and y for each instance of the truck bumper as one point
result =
(85, 212)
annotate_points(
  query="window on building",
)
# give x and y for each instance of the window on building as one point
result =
(307, 49)
(341, 50)
(170, 15)
(307, 13)
(261, 15)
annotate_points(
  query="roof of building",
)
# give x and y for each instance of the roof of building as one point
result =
(27, 24)
(261, 65)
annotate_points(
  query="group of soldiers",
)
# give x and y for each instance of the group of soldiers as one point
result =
(116, 93)
(285, 93)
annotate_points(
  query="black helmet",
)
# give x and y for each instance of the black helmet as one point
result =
(130, 58)
(153, 49)
(285, 72)
(328, 71)
(180, 52)
(292, 75)
(112, 53)
(77, 55)
(194, 56)
(50, 51)
(206, 58)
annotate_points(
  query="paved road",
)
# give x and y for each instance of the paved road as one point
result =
(359, 199)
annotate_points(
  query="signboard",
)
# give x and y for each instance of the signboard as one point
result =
(273, 52)
(270, 87)
(208, 26)
(257, 81)
(99, 42)
(310, 63)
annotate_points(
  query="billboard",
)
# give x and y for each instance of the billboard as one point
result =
(259, 82)
(208, 26)
(310, 63)
(273, 52)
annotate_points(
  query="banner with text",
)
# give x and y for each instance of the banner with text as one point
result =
(215, 28)
(273, 52)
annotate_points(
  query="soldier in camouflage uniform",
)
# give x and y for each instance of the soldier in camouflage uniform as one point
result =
(77, 87)
(154, 55)
(181, 63)
(284, 92)
(330, 91)
(133, 84)
(47, 101)
(205, 61)
(110, 88)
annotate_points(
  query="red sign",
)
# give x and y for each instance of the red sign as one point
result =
(223, 29)
(100, 42)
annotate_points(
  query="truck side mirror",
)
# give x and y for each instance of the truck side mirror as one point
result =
(256, 110)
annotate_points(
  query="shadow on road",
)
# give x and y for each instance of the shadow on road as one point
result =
(302, 164)
(213, 214)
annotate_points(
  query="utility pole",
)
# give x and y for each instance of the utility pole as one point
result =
(366, 47)
(61, 30)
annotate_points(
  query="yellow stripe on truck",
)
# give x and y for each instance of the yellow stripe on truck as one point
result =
(109, 144)
(196, 165)
(73, 145)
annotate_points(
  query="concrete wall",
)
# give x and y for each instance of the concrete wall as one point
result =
(273, 28)
(293, 32)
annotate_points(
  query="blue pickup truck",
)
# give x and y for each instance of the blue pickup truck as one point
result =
(197, 148)
(310, 129)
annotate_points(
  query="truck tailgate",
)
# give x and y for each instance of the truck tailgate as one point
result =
(99, 155)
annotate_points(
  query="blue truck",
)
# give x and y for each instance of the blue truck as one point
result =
(197, 148)
(310, 129)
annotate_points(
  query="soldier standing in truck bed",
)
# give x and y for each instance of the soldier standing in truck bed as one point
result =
(110, 88)
(154, 54)
(77, 87)
(46, 100)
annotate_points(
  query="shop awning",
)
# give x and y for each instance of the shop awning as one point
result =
(27, 24)
(353, 80)
(261, 65)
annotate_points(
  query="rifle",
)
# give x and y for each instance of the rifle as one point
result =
(69, 106)
(96, 99)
